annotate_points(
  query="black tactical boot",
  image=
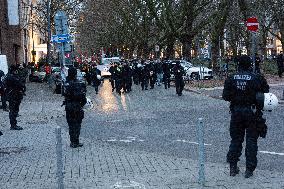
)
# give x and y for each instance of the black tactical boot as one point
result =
(248, 173)
(73, 145)
(234, 170)
(16, 128)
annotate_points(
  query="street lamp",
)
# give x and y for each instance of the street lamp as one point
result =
(48, 32)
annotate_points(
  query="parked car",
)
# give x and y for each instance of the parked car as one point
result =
(186, 65)
(105, 65)
(199, 72)
(37, 76)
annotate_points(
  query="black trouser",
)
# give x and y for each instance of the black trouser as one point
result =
(3, 100)
(179, 85)
(167, 81)
(118, 85)
(112, 83)
(243, 123)
(74, 120)
(136, 79)
(152, 82)
(280, 71)
(128, 84)
(14, 106)
(144, 83)
(96, 84)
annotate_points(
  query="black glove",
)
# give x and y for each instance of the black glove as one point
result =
(261, 127)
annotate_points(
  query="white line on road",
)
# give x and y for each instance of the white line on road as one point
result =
(192, 142)
(272, 153)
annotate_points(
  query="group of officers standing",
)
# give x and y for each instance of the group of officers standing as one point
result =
(145, 73)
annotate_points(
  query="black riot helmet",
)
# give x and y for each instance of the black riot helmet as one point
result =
(244, 62)
(13, 69)
(72, 73)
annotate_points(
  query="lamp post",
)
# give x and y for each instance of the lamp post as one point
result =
(48, 32)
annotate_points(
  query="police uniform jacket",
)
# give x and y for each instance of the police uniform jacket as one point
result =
(240, 89)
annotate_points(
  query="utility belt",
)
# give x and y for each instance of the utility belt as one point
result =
(243, 108)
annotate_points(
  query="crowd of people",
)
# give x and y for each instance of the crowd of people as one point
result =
(146, 73)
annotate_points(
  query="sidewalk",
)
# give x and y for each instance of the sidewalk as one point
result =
(216, 92)
(28, 160)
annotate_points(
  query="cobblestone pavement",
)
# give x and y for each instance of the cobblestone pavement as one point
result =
(28, 157)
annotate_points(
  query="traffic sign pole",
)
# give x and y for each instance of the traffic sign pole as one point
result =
(252, 25)
(253, 50)
(63, 54)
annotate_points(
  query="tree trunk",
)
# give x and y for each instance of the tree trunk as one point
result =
(186, 41)
(263, 44)
(215, 54)
(170, 49)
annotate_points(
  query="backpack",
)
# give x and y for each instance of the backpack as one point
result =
(75, 91)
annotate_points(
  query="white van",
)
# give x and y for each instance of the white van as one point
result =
(105, 65)
(4, 64)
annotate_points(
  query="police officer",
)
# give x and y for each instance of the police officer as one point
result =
(179, 73)
(2, 90)
(152, 75)
(126, 78)
(145, 75)
(167, 75)
(96, 78)
(112, 79)
(15, 90)
(280, 64)
(240, 90)
(75, 99)
(118, 78)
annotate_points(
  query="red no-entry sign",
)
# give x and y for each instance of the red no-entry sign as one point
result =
(252, 24)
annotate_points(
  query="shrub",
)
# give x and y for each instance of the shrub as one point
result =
(269, 67)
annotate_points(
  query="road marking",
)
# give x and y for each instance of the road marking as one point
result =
(115, 120)
(272, 153)
(128, 139)
(185, 141)
(128, 184)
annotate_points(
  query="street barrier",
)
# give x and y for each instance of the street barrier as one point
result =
(59, 173)
(201, 152)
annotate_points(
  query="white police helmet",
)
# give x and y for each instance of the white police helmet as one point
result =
(270, 102)
(99, 77)
(89, 104)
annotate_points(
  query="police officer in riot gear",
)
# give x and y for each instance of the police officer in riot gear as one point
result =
(95, 77)
(240, 90)
(145, 75)
(75, 99)
(179, 73)
(152, 75)
(15, 90)
(112, 78)
(118, 78)
(166, 75)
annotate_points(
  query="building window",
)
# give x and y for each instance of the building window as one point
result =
(13, 12)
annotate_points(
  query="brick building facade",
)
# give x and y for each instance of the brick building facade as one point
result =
(10, 35)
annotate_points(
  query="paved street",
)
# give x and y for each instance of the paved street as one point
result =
(143, 139)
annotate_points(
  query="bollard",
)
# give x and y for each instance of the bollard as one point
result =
(59, 173)
(201, 152)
